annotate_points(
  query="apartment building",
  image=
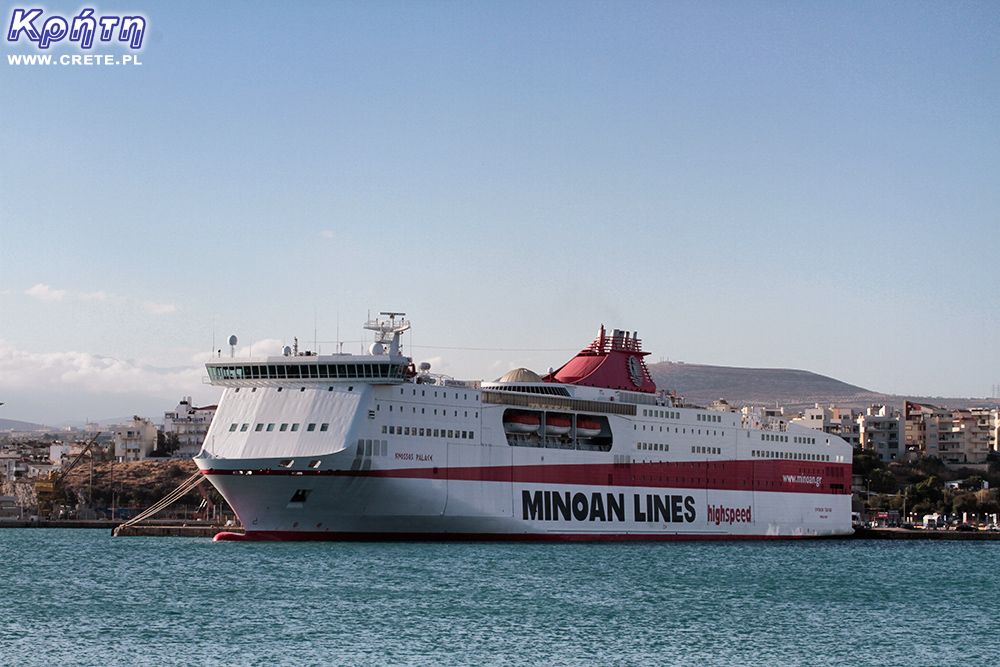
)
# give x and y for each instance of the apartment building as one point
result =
(881, 431)
(134, 441)
(834, 420)
(190, 424)
(954, 436)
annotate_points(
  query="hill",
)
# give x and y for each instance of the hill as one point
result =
(21, 427)
(794, 390)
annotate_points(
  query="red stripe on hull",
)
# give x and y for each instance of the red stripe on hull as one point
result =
(767, 475)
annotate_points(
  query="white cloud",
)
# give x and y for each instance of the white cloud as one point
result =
(262, 348)
(53, 387)
(95, 296)
(84, 372)
(160, 308)
(46, 293)
(270, 347)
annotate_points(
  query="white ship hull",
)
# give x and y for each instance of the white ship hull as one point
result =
(373, 458)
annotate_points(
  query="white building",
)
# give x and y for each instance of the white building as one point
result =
(833, 420)
(882, 432)
(12, 466)
(134, 442)
(57, 452)
(190, 424)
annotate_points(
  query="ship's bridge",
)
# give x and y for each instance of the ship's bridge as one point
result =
(374, 369)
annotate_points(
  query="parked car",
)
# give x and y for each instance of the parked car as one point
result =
(964, 527)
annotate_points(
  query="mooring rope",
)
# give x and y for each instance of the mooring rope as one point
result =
(188, 484)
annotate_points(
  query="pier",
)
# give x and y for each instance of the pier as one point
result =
(925, 534)
(117, 528)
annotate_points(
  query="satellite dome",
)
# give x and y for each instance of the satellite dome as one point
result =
(520, 376)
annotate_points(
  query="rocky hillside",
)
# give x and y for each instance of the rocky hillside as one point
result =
(141, 482)
(792, 389)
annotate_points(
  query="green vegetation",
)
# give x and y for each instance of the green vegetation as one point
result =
(917, 488)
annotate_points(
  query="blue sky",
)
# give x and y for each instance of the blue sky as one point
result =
(766, 184)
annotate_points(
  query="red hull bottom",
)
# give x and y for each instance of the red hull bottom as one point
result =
(299, 536)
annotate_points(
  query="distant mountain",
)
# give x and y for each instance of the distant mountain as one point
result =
(792, 389)
(14, 425)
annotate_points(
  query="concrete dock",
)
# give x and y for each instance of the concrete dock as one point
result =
(922, 534)
(146, 529)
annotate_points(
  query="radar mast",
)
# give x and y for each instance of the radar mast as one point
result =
(387, 331)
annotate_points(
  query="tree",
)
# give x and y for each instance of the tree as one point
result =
(882, 481)
(865, 462)
(965, 503)
(973, 483)
(930, 465)
(166, 444)
(924, 507)
(988, 507)
(930, 489)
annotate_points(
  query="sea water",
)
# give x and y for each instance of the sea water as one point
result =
(82, 597)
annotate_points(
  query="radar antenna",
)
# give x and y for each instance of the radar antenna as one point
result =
(387, 331)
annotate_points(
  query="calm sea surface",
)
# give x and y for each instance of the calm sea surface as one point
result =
(81, 597)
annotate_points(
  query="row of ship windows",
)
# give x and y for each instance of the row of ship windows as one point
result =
(664, 414)
(283, 427)
(626, 460)
(307, 371)
(424, 410)
(423, 392)
(795, 456)
(428, 432)
(635, 427)
(770, 437)
(366, 448)
(301, 389)
(661, 447)
(669, 414)
(699, 480)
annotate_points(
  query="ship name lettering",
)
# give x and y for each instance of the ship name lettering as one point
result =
(669, 509)
(579, 506)
(569, 506)
(410, 456)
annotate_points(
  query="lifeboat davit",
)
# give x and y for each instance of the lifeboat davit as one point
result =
(557, 425)
(521, 424)
(587, 428)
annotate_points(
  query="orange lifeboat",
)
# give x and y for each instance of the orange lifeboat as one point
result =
(587, 428)
(521, 423)
(557, 425)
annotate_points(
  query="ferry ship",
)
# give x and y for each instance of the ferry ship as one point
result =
(370, 447)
